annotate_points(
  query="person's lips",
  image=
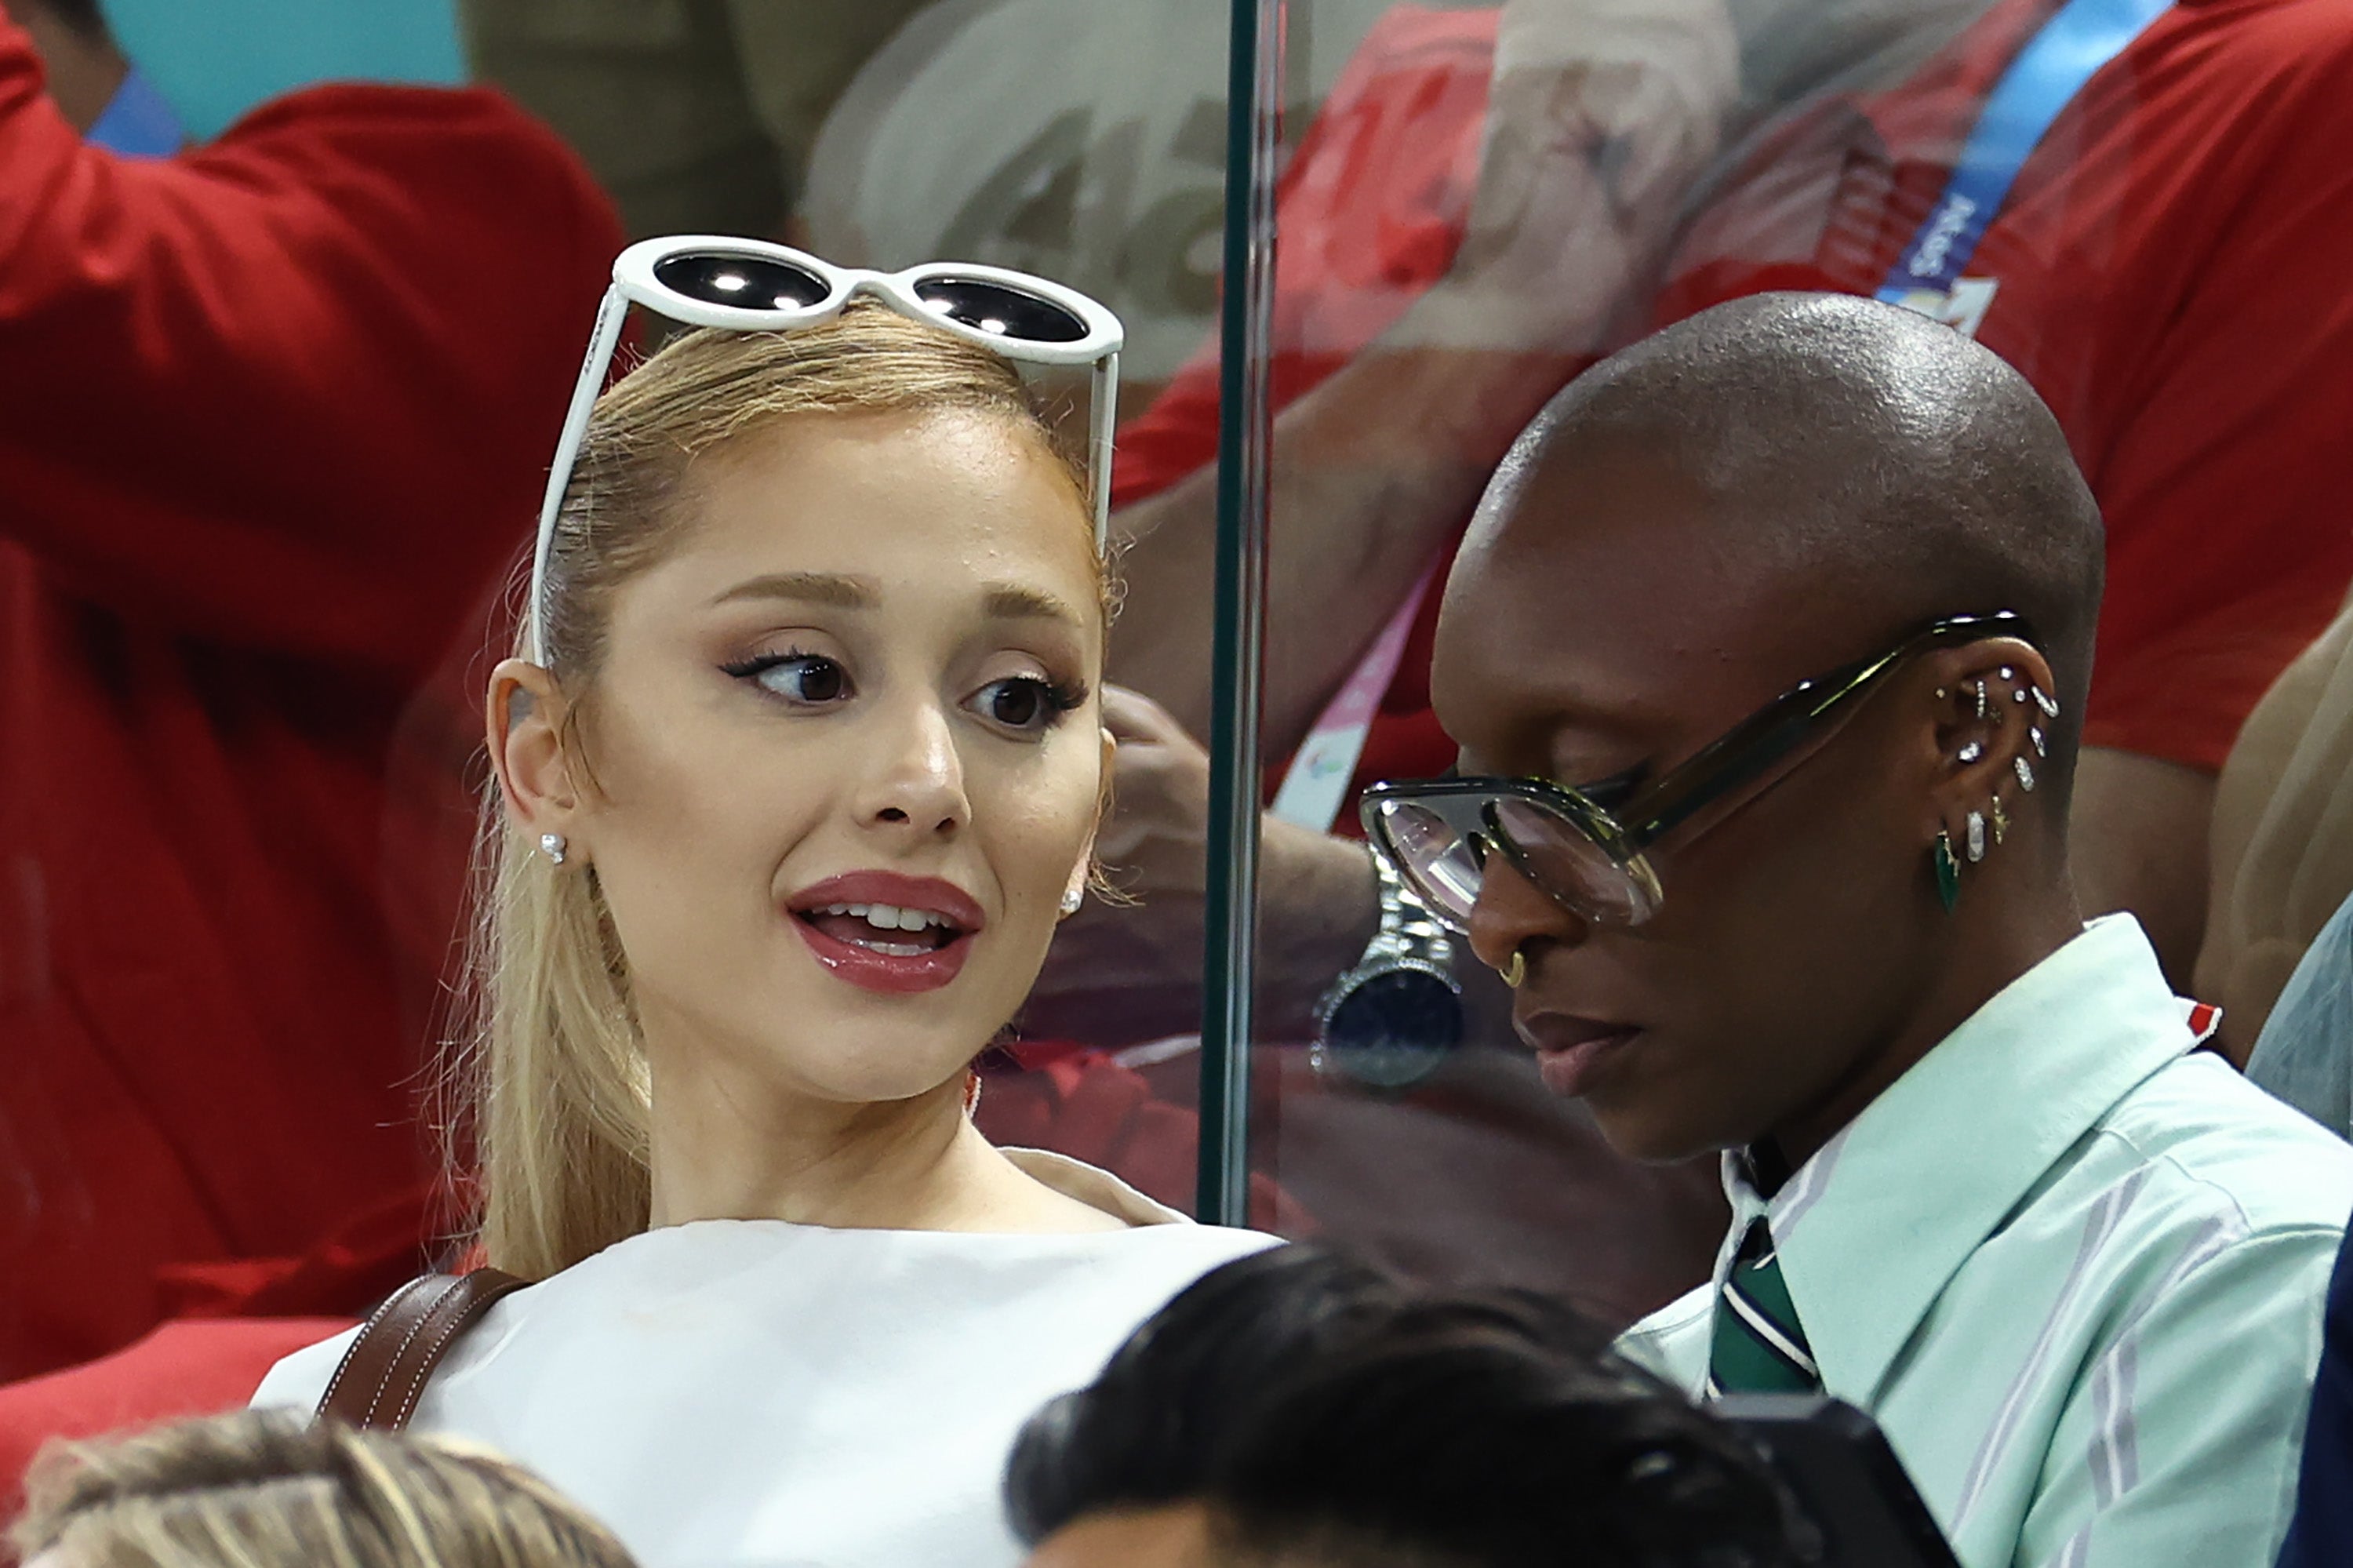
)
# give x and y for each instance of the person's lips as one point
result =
(884, 932)
(1572, 1052)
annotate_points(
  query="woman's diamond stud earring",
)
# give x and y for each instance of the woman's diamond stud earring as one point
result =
(551, 846)
(1977, 837)
(1981, 699)
(1970, 753)
(2044, 701)
(2025, 773)
(2041, 747)
(1071, 900)
(2008, 673)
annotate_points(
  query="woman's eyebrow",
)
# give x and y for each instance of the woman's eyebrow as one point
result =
(806, 588)
(1015, 602)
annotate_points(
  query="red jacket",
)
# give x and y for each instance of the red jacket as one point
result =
(274, 417)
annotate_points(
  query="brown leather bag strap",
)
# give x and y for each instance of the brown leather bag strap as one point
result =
(383, 1374)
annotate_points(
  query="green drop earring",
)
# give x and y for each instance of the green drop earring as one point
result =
(1948, 871)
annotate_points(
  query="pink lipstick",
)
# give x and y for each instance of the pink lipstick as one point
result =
(883, 932)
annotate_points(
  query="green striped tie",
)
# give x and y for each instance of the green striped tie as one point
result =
(1758, 1346)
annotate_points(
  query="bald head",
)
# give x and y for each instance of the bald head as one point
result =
(1779, 491)
(1878, 465)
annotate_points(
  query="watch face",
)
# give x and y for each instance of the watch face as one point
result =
(1393, 1029)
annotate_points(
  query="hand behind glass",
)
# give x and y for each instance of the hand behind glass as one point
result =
(1121, 973)
(1601, 114)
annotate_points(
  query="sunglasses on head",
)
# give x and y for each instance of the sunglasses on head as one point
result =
(1587, 849)
(751, 285)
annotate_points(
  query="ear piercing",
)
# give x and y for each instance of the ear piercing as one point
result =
(552, 845)
(1516, 970)
(1071, 899)
(2030, 692)
(1947, 863)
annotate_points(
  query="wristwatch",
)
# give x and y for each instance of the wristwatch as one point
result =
(1389, 1021)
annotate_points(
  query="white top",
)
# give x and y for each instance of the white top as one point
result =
(758, 1391)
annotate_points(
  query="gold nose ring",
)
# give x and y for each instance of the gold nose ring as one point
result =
(1517, 969)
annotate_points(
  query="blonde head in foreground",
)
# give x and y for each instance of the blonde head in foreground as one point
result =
(271, 1489)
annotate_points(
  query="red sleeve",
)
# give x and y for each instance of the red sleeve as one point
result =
(1368, 216)
(289, 391)
(180, 1370)
(2231, 540)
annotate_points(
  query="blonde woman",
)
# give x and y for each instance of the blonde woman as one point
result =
(270, 1490)
(799, 768)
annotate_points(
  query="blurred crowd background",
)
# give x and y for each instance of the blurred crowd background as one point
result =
(275, 408)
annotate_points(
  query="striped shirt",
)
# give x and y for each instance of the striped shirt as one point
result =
(2075, 1270)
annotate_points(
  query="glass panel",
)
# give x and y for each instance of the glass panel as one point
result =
(1485, 202)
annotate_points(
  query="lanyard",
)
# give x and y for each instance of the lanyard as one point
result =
(1318, 783)
(2083, 36)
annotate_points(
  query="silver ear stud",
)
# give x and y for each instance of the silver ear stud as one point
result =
(2041, 747)
(552, 845)
(2008, 673)
(1981, 699)
(2042, 700)
(1977, 837)
(1071, 901)
(1970, 753)
(2025, 773)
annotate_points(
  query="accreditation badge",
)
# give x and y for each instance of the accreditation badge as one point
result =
(1961, 309)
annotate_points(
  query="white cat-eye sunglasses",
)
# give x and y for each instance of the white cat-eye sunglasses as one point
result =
(752, 285)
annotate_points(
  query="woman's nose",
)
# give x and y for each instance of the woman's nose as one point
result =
(1512, 911)
(917, 782)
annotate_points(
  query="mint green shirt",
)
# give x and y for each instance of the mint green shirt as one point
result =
(2076, 1271)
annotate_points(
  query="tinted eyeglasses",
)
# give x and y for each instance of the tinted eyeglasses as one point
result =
(1587, 849)
(751, 285)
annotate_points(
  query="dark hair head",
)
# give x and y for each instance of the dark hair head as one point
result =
(1325, 1411)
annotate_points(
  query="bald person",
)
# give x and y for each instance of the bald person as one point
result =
(1766, 656)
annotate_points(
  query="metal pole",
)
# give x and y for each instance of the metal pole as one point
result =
(1245, 436)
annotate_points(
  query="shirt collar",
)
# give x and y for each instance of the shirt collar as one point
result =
(1933, 1166)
